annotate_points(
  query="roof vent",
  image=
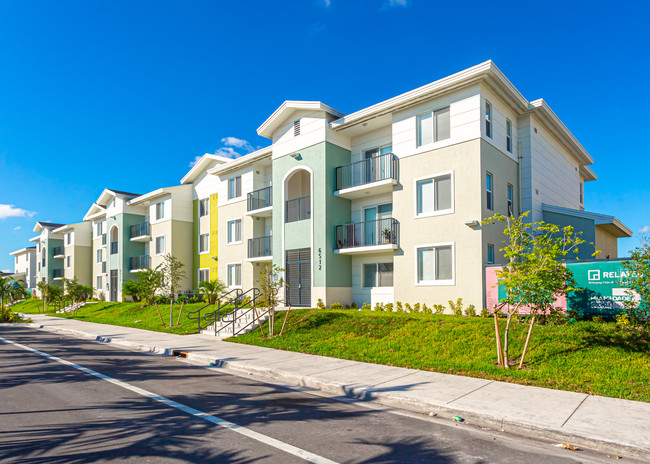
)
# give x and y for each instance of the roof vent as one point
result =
(296, 128)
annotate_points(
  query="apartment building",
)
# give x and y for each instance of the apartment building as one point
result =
(76, 252)
(385, 204)
(49, 253)
(25, 266)
(205, 218)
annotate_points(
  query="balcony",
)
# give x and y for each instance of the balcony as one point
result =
(260, 202)
(140, 232)
(374, 176)
(113, 248)
(57, 274)
(298, 209)
(57, 252)
(139, 263)
(103, 239)
(367, 237)
(259, 249)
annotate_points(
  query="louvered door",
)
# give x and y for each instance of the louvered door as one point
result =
(298, 278)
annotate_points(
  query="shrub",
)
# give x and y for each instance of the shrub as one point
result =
(471, 311)
(366, 307)
(416, 307)
(439, 309)
(408, 308)
(320, 304)
(598, 319)
(426, 309)
(347, 306)
(456, 308)
(354, 306)
(485, 312)
(7, 315)
(379, 307)
(388, 307)
(400, 308)
(623, 320)
(336, 306)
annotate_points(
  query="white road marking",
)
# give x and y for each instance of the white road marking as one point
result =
(306, 455)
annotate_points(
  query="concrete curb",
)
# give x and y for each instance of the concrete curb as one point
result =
(364, 393)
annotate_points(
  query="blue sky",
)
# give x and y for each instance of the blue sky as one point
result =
(125, 94)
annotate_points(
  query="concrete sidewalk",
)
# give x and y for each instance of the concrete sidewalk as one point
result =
(613, 425)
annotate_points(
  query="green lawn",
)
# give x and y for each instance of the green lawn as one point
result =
(122, 314)
(600, 359)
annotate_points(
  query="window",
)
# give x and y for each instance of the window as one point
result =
(489, 191)
(234, 231)
(204, 243)
(435, 265)
(234, 275)
(99, 229)
(204, 275)
(16, 259)
(582, 193)
(99, 255)
(160, 210)
(234, 187)
(434, 195)
(378, 275)
(68, 239)
(488, 119)
(160, 245)
(204, 207)
(510, 200)
(509, 135)
(296, 128)
(490, 253)
(99, 282)
(433, 126)
(68, 261)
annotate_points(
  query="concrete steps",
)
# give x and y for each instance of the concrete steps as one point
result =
(243, 324)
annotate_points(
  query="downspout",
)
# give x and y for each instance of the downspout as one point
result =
(519, 158)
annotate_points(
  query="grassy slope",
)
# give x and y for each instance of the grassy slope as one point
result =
(123, 314)
(587, 357)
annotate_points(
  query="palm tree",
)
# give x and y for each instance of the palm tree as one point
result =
(212, 289)
(11, 290)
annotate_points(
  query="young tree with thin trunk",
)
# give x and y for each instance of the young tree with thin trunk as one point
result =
(270, 282)
(173, 273)
(534, 275)
(637, 282)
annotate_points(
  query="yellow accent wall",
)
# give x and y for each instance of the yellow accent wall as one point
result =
(204, 260)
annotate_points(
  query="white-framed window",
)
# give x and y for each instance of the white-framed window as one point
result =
(68, 238)
(234, 187)
(234, 275)
(435, 264)
(489, 191)
(204, 243)
(68, 261)
(99, 255)
(511, 195)
(378, 275)
(433, 126)
(204, 275)
(99, 282)
(488, 119)
(234, 231)
(434, 195)
(16, 259)
(160, 245)
(160, 210)
(98, 229)
(204, 207)
(582, 193)
(509, 135)
(490, 253)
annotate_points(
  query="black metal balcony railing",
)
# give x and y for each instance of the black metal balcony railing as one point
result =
(366, 171)
(298, 209)
(103, 239)
(139, 262)
(104, 267)
(258, 247)
(369, 233)
(57, 251)
(259, 199)
(113, 248)
(57, 273)
(139, 230)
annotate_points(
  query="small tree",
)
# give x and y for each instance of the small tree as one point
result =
(131, 288)
(534, 275)
(211, 289)
(173, 273)
(271, 282)
(55, 293)
(637, 282)
(11, 290)
(43, 287)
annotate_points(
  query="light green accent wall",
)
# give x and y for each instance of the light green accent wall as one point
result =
(329, 269)
(584, 225)
(50, 263)
(126, 248)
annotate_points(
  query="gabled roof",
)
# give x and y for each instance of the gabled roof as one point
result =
(609, 223)
(46, 225)
(285, 111)
(94, 212)
(202, 165)
(155, 194)
(242, 161)
(69, 227)
(109, 193)
(31, 249)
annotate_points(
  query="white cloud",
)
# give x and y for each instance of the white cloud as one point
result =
(17, 228)
(237, 143)
(227, 152)
(196, 160)
(11, 211)
(644, 230)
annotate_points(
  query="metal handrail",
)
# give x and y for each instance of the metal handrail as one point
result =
(217, 301)
(259, 247)
(366, 171)
(240, 311)
(369, 233)
(139, 262)
(57, 251)
(259, 199)
(298, 209)
(139, 230)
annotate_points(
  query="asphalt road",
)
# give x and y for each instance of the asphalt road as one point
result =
(161, 409)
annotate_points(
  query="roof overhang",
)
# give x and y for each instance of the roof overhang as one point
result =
(95, 212)
(67, 227)
(285, 111)
(206, 161)
(241, 162)
(41, 226)
(608, 223)
(587, 173)
(35, 239)
(107, 194)
(147, 197)
(23, 251)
